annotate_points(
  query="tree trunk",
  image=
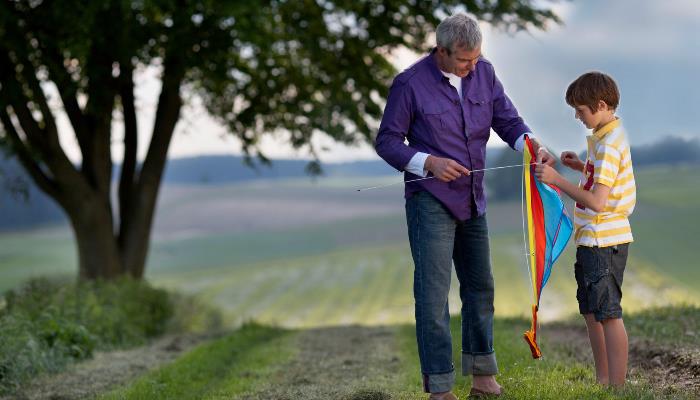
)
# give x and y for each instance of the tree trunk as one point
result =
(98, 254)
(105, 250)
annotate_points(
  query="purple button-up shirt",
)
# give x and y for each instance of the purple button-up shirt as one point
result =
(423, 107)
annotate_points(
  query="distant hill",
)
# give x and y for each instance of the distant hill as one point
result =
(668, 150)
(231, 169)
(22, 205)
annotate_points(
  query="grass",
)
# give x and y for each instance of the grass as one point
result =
(360, 271)
(48, 325)
(255, 357)
(556, 376)
(674, 326)
(45, 253)
(217, 370)
(372, 285)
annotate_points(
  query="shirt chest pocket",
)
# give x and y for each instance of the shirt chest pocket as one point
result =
(480, 114)
(436, 117)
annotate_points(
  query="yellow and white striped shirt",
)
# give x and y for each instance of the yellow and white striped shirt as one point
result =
(608, 163)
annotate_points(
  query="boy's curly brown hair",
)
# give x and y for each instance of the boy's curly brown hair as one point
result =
(591, 87)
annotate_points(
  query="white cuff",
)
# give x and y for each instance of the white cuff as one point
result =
(417, 164)
(520, 142)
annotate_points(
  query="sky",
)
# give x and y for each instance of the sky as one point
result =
(651, 48)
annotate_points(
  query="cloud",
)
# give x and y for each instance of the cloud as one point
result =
(652, 49)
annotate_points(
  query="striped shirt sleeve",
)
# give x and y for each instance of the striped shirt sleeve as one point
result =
(607, 165)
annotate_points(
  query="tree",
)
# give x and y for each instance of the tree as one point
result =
(304, 66)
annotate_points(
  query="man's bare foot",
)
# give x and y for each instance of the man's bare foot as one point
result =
(486, 384)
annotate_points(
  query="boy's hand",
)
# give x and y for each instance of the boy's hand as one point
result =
(543, 156)
(546, 174)
(571, 160)
(445, 169)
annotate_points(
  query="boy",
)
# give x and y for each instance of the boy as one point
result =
(604, 199)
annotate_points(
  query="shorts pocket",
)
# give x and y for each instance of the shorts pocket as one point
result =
(596, 276)
(594, 264)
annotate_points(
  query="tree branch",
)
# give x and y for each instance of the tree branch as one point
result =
(50, 150)
(50, 131)
(102, 90)
(167, 114)
(134, 235)
(68, 91)
(14, 96)
(126, 181)
(24, 154)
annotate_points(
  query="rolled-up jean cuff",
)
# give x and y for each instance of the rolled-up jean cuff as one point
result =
(479, 364)
(438, 383)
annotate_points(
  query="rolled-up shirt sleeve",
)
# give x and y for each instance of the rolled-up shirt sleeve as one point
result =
(520, 141)
(417, 164)
(506, 121)
(394, 127)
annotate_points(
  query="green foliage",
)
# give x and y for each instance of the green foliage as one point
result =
(192, 314)
(119, 313)
(259, 66)
(47, 324)
(668, 150)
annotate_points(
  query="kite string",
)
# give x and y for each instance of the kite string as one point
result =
(431, 177)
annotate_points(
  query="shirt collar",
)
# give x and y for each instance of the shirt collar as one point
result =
(432, 66)
(605, 129)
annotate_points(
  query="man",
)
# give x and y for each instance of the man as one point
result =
(445, 105)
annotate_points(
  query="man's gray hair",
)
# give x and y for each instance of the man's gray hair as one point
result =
(458, 30)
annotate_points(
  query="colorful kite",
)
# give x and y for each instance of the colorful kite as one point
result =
(548, 230)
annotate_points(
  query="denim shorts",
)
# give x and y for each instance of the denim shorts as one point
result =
(599, 272)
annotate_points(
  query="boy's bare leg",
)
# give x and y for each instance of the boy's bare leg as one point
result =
(617, 349)
(596, 336)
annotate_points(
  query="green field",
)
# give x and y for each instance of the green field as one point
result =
(323, 260)
(355, 267)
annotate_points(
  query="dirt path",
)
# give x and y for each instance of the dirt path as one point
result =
(359, 361)
(671, 370)
(107, 370)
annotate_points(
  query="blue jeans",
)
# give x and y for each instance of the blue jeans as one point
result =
(437, 239)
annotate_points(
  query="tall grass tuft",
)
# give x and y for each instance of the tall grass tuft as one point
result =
(47, 324)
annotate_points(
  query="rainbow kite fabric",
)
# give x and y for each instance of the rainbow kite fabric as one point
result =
(548, 230)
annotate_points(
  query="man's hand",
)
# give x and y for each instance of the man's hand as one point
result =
(571, 160)
(445, 169)
(543, 156)
(547, 174)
